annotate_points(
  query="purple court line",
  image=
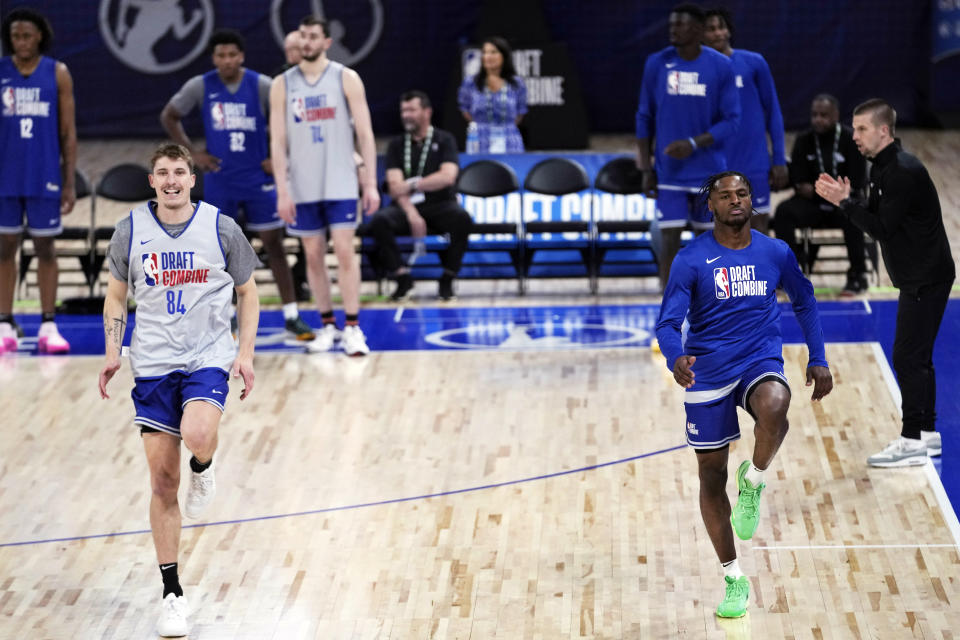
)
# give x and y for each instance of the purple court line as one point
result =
(361, 505)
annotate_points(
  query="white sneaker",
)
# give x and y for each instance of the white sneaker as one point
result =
(902, 452)
(933, 442)
(354, 343)
(173, 617)
(324, 340)
(49, 339)
(8, 338)
(203, 486)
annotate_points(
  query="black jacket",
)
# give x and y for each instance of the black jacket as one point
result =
(806, 163)
(903, 215)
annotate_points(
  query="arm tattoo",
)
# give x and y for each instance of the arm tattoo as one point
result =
(113, 330)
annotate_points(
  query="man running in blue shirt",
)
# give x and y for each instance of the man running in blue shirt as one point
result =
(689, 104)
(759, 115)
(725, 284)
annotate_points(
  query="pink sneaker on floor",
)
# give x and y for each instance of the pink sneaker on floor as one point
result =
(8, 338)
(49, 339)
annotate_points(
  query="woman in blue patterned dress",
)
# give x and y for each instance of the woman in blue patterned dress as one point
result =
(496, 99)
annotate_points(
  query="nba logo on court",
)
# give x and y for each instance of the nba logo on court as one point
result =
(217, 116)
(299, 110)
(721, 282)
(9, 101)
(151, 269)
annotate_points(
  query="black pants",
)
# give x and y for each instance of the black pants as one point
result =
(445, 217)
(798, 212)
(918, 319)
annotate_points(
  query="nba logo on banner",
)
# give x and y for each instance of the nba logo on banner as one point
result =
(721, 282)
(151, 269)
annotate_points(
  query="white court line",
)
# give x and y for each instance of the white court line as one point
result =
(398, 314)
(867, 307)
(936, 484)
(840, 547)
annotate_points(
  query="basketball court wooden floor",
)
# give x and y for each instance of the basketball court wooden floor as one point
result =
(482, 494)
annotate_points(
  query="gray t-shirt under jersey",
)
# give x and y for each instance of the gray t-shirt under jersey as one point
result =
(240, 256)
(190, 95)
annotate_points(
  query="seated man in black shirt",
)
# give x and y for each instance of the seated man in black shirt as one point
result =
(827, 147)
(421, 186)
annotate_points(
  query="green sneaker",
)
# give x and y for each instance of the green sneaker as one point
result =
(734, 603)
(299, 329)
(746, 513)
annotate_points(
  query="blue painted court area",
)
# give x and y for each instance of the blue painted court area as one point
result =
(582, 327)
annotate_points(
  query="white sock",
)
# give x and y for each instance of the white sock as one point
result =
(732, 569)
(290, 311)
(754, 475)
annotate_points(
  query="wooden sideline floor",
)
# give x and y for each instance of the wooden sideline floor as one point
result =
(616, 551)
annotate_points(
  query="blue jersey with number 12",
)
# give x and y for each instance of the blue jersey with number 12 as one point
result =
(29, 131)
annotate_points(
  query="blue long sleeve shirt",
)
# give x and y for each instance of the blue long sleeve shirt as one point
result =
(759, 115)
(729, 297)
(681, 99)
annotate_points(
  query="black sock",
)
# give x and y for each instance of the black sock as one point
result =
(47, 316)
(199, 467)
(327, 317)
(171, 581)
(6, 317)
(352, 318)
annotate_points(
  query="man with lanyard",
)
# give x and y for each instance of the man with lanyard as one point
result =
(234, 103)
(827, 147)
(760, 115)
(421, 171)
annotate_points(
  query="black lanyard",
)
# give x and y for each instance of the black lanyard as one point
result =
(833, 157)
(423, 153)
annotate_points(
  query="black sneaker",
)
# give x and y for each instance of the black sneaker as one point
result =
(300, 329)
(856, 284)
(445, 289)
(404, 288)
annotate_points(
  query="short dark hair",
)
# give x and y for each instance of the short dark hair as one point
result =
(173, 151)
(724, 14)
(710, 184)
(880, 111)
(407, 96)
(310, 20)
(692, 10)
(27, 15)
(226, 36)
(826, 97)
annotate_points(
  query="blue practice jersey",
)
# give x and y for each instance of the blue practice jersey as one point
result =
(29, 131)
(731, 297)
(747, 151)
(236, 129)
(681, 99)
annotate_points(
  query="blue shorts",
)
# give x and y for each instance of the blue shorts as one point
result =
(676, 205)
(43, 215)
(313, 218)
(760, 182)
(712, 415)
(159, 401)
(259, 202)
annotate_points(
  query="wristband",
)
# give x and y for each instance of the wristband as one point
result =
(693, 142)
